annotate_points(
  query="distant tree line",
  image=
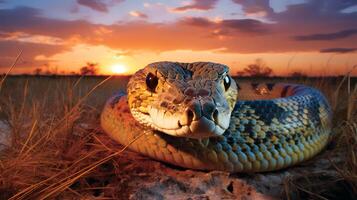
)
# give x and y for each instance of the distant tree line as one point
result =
(89, 69)
(257, 69)
(260, 69)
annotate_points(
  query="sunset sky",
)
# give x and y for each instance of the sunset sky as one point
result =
(316, 37)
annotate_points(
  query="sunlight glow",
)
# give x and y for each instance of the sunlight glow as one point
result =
(119, 69)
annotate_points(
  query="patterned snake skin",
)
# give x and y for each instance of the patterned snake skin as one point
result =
(194, 115)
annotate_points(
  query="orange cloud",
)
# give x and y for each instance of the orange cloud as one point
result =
(45, 39)
(138, 14)
(197, 5)
(195, 33)
(39, 39)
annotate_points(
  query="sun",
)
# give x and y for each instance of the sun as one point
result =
(119, 69)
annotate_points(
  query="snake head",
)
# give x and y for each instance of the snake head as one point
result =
(192, 100)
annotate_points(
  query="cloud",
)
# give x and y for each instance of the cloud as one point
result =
(315, 16)
(338, 50)
(97, 5)
(27, 38)
(10, 49)
(196, 21)
(138, 14)
(31, 21)
(3, 35)
(124, 53)
(261, 7)
(251, 26)
(315, 20)
(328, 36)
(197, 5)
(40, 33)
(246, 25)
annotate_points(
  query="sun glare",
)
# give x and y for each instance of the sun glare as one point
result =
(118, 69)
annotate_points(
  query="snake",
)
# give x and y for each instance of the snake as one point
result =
(197, 116)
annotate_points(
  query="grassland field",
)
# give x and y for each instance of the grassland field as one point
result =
(55, 148)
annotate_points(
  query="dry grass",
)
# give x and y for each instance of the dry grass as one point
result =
(343, 183)
(53, 140)
(57, 149)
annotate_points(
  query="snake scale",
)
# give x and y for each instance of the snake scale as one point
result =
(194, 115)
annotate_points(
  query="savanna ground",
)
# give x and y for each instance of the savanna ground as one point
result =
(53, 148)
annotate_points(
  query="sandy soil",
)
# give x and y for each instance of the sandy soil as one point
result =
(132, 176)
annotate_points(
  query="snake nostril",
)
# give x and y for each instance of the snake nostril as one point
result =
(215, 115)
(190, 116)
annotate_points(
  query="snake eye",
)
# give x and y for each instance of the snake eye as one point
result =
(227, 82)
(151, 82)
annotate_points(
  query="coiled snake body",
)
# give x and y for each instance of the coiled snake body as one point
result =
(195, 116)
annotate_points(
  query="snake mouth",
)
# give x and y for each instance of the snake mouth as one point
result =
(204, 127)
(201, 128)
(177, 126)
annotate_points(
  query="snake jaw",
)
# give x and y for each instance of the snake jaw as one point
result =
(176, 125)
(204, 128)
